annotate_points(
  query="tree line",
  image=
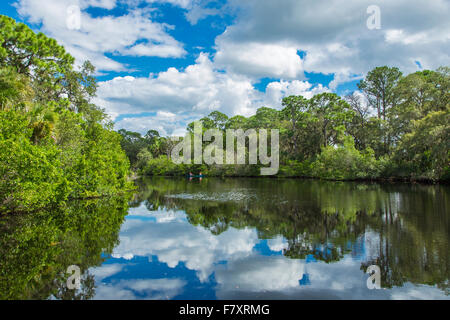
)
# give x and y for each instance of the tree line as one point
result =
(394, 126)
(55, 144)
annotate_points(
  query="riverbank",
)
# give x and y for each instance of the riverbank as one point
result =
(340, 167)
(62, 204)
(363, 180)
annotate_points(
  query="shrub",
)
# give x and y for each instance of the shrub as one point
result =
(346, 162)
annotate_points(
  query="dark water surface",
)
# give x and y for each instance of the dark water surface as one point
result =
(235, 239)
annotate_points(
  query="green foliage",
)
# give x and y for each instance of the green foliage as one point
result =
(379, 87)
(139, 148)
(294, 168)
(29, 173)
(54, 144)
(162, 166)
(330, 137)
(395, 127)
(103, 167)
(346, 162)
(425, 151)
(15, 90)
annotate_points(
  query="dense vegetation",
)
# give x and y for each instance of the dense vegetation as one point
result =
(395, 126)
(54, 143)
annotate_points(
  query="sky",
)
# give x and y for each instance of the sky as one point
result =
(164, 63)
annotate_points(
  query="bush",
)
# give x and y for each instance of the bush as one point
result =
(29, 174)
(295, 168)
(163, 166)
(346, 162)
(78, 161)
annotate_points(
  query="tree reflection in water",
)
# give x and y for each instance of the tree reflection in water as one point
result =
(37, 248)
(404, 229)
(325, 220)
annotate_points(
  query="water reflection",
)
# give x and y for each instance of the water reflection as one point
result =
(238, 239)
(36, 249)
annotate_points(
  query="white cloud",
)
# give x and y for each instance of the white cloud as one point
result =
(164, 125)
(160, 216)
(195, 10)
(335, 37)
(277, 90)
(180, 3)
(260, 60)
(106, 271)
(132, 34)
(179, 97)
(263, 42)
(105, 4)
(258, 273)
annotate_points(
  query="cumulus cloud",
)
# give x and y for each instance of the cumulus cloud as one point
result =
(197, 88)
(260, 60)
(180, 3)
(166, 126)
(258, 273)
(277, 90)
(264, 41)
(195, 10)
(106, 271)
(160, 216)
(335, 37)
(131, 34)
(179, 97)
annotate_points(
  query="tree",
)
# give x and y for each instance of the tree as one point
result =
(15, 90)
(132, 143)
(425, 151)
(47, 65)
(331, 113)
(265, 118)
(55, 143)
(419, 94)
(219, 119)
(293, 112)
(358, 128)
(34, 55)
(151, 136)
(237, 122)
(378, 87)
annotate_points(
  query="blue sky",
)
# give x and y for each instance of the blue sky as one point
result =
(164, 63)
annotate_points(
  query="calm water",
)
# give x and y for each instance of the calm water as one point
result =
(235, 239)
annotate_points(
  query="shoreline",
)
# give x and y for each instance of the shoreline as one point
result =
(362, 180)
(57, 205)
